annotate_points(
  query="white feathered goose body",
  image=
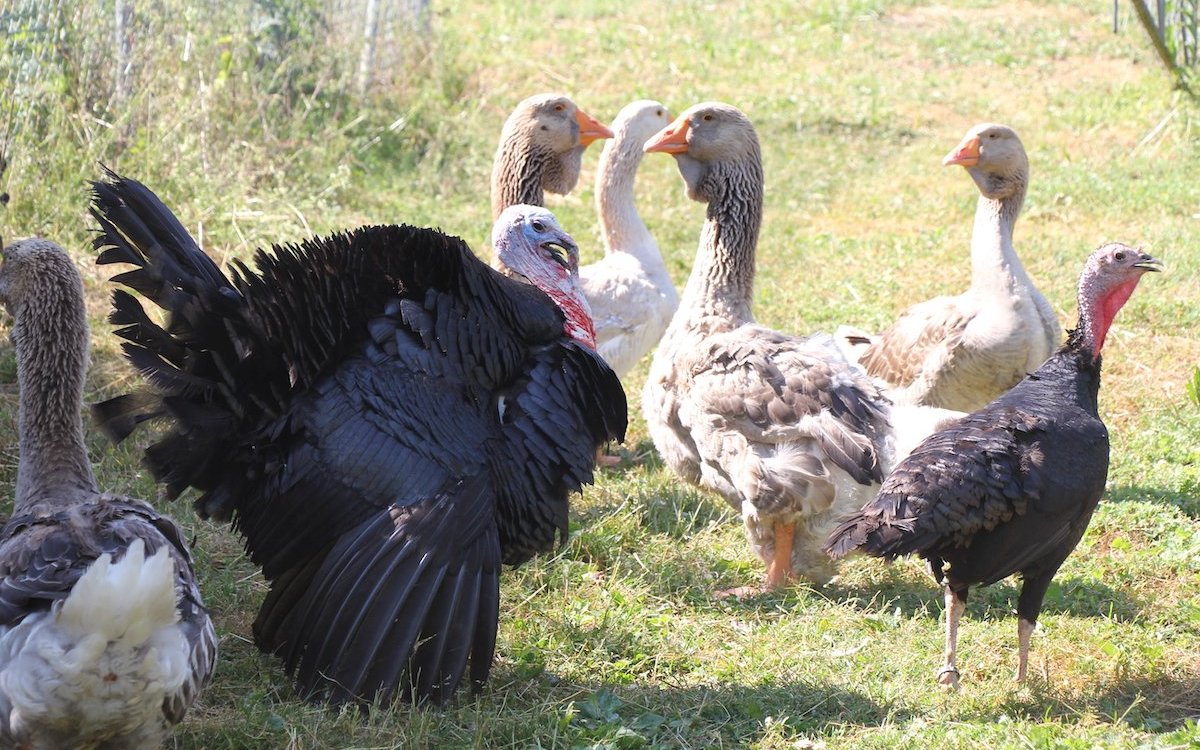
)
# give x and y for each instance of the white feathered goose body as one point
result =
(961, 352)
(630, 291)
(104, 641)
(783, 427)
(385, 419)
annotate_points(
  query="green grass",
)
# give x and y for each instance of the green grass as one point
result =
(617, 641)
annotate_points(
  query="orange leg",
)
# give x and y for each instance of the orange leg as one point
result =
(780, 569)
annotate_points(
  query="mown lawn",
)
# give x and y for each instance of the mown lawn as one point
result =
(617, 641)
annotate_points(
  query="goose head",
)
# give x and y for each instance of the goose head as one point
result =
(31, 272)
(543, 140)
(636, 122)
(708, 138)
(994, 157)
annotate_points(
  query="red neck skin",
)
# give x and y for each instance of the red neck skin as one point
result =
(578, 324)
(1100, 316)
(561, 284)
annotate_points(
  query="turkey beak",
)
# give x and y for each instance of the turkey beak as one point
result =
(965, 155)
(670, 140)
(590, 129)
(561, 252)
(1149, 263)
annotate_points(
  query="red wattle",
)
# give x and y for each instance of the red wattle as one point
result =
(1110, 305)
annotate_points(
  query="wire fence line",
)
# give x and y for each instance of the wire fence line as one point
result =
(102, 56)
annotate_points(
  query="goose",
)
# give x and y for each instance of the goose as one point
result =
(629, 290)
(783, 427)
(961, 352)
(541, 148)
(385, 419)
(104, 639)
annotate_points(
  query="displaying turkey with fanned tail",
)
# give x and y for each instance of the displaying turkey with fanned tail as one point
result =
(1009, 488)
(384, 418)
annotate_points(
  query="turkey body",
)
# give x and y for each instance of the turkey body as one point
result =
(384, 418)
(1011, 487)
(1029, 470)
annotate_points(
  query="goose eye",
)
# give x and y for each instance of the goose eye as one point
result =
(1120, 256)
(708, 118)
(539, 226)
(658, 113)
(559, 107)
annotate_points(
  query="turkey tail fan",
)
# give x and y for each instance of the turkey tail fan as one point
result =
(398, 607)
(846, 538)
(209, 360)
(139, 229)
(869, 535)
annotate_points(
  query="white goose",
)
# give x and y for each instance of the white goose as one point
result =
(104, 642)
(783, 427)
(961, 352)
(629, 290)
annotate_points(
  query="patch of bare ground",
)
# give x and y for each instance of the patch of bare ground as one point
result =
(1014, 13)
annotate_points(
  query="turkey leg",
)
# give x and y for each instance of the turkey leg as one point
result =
(947, 676)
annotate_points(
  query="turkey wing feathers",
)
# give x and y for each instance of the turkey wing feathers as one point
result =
(960, 481)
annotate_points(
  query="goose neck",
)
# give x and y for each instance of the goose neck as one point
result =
(620, 224)
(51, 343)
(722, 280)
(994, 261)
(518, 175)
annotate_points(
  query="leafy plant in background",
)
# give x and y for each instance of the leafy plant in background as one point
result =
(1193, 386)
(1172, 28)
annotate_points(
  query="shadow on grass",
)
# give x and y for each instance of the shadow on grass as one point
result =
(1066, 596)
(1155, 705)
(1188, 502)
(1151, 704)
(720, 715)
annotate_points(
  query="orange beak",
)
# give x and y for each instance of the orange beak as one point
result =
(670, 140)
(965, 155)
(590, 129)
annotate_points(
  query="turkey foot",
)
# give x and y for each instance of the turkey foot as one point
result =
(1024, 633)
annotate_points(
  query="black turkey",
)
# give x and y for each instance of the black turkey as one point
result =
(1009, 488)
(382, 416)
